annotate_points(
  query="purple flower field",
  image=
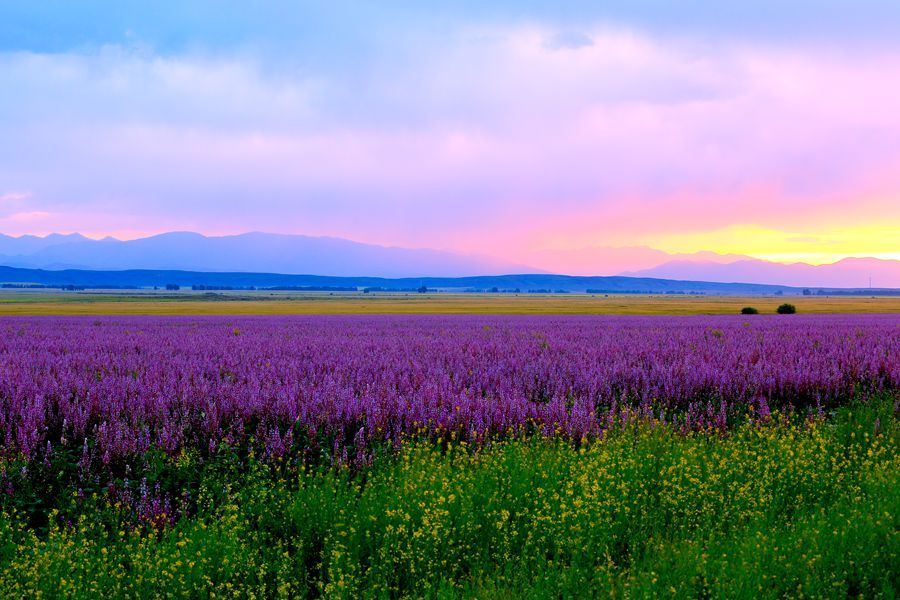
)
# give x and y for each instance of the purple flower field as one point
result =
(115, 387)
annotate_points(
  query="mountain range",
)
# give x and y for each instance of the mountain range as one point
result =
(216, 280)
(337, 257)
(846, 273)
(248, 252)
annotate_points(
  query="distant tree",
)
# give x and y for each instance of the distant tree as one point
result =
(786, 309)
(749, 310)
(172, 287)
(807, 292)
(422, 289)
(494, 290)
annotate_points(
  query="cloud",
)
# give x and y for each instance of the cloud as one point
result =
(12, 203)
(26, 217)
(13, 197)
(496, 139)
(568, 40)
(117, 85)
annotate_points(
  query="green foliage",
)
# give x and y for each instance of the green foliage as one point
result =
(749, 310)
(803, 507)
(786, 309)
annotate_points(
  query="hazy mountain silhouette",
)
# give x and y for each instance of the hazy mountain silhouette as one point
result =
(28, 244)
(612, 260)
(309, 255)
(249, 252)
(848, 273)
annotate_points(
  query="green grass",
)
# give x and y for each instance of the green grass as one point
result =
(785, 509)
(290, 303)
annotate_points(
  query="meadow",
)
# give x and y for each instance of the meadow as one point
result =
(30, 303)
(450, 456)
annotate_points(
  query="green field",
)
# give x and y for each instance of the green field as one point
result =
(310, 303)
(799, 505)
(792, 508)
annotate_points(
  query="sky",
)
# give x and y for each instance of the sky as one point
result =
(518, 129)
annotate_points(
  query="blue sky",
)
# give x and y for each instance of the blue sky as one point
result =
(352, 28)
(497, 127)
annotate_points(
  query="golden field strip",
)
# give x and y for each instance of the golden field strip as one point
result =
(313, 303)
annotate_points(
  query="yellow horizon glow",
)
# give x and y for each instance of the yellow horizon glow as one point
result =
(816, 248)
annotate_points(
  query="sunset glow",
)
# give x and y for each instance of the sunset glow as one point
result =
(509, 132)
(817, 247)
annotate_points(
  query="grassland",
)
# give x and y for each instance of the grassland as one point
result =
(788, 508)
(148, 461)
(287, 303)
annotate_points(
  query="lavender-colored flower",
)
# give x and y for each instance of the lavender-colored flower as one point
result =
(308, 384)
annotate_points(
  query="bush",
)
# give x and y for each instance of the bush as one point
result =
(786, 309)
(749, 310)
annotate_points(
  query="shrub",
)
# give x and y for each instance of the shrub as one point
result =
(786, 309)
(749, 310)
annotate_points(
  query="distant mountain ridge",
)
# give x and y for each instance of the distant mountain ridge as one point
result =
(329, 256)
(524, 283)
(615, 260)
(849, 272)
(29, 244)
(248, 252)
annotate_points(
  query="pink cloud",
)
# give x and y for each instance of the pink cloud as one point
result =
(492, 142)
(14, 197)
